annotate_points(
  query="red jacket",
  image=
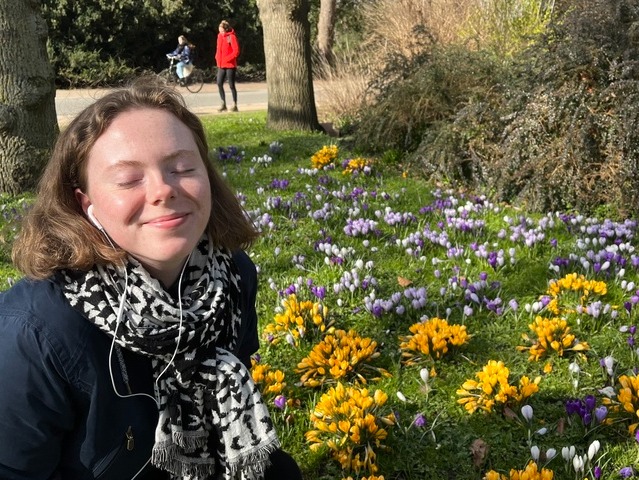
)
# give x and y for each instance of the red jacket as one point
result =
(227, 50)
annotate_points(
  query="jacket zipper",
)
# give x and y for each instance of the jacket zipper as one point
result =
(130, 442)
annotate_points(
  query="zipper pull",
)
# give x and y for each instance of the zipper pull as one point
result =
(130, 443)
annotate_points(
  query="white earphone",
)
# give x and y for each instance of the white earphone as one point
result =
(94, 220)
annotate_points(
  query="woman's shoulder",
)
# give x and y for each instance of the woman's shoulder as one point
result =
(40, 306)
(244, 264)
(29, 295)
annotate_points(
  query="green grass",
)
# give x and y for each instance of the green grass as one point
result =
(442, 259)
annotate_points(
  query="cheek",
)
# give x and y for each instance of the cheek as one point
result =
(201, 192)
(120, 209)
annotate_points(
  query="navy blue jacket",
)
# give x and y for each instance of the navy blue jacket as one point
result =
(59, 415)
(182, 53)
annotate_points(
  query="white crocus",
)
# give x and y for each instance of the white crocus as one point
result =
(534, 453)
(593, 449)
(609, 363)
(527, 412)
(608, 391)
(568, 453)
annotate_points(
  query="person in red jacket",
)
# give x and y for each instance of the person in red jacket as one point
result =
(226, 55)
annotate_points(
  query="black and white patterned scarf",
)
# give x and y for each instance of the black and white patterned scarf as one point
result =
(213, 422)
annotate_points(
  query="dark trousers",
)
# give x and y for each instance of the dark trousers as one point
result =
(223, 74)
(282, 467)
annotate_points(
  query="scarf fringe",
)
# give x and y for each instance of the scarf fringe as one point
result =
(161, 453)
(254, 464)
(167, 458)
(189, 470)
(190, 442)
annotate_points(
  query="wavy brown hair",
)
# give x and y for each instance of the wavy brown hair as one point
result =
(56, 234)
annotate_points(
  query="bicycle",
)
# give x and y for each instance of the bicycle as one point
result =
(194, 81)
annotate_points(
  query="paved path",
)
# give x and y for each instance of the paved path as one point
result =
(251, 97)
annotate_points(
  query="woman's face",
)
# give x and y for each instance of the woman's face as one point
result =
(149, 189)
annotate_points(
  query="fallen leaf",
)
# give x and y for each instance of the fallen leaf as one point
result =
(508, 413)
(479, 450)
(561, 425)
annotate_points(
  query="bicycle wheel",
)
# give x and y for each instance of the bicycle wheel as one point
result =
(195, 81)
(165, 76)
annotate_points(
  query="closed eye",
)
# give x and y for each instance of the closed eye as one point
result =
(127, 184)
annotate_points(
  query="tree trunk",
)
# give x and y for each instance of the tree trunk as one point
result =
(289, 77)
(28, 123)
(326, 31)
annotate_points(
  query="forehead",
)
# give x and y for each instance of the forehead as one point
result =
(142, 133)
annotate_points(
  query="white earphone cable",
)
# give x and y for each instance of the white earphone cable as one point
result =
(118, 320)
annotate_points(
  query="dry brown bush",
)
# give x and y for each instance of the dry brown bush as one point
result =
(390, 23)
(391, 29)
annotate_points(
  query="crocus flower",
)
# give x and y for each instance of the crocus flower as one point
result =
(527, 412)
(601, 413)
(608, 363)
(534, 452)
(280, 402)
(626, 472)
(420, 420)
(593, 449)
(568, 453)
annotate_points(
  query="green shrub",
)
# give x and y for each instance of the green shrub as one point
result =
(571, 135)
(556, 127)
(507, 26)
(88, 69)
(438, 87)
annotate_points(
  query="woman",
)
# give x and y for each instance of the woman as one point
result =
(124, 353)
(182, 54)
(226, 54)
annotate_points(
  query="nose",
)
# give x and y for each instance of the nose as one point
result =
(160, 188)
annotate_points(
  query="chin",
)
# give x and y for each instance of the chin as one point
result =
(172, 253)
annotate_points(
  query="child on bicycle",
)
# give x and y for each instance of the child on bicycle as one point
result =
(182, 54)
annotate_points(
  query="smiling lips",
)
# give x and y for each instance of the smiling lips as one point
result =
(168, 221)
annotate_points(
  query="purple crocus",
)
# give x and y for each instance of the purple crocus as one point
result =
(419, 421)
(601, 413)
(319, 292)
(280, 402)
(626, 472)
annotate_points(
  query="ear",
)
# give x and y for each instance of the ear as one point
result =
(82, 199)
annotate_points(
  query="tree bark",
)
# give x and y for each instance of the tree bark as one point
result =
(289, 77)
(326, 31)
(28, 122)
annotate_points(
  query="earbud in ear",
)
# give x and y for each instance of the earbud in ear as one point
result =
(94, 220)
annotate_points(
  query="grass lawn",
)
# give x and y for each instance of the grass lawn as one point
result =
(414, 332)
